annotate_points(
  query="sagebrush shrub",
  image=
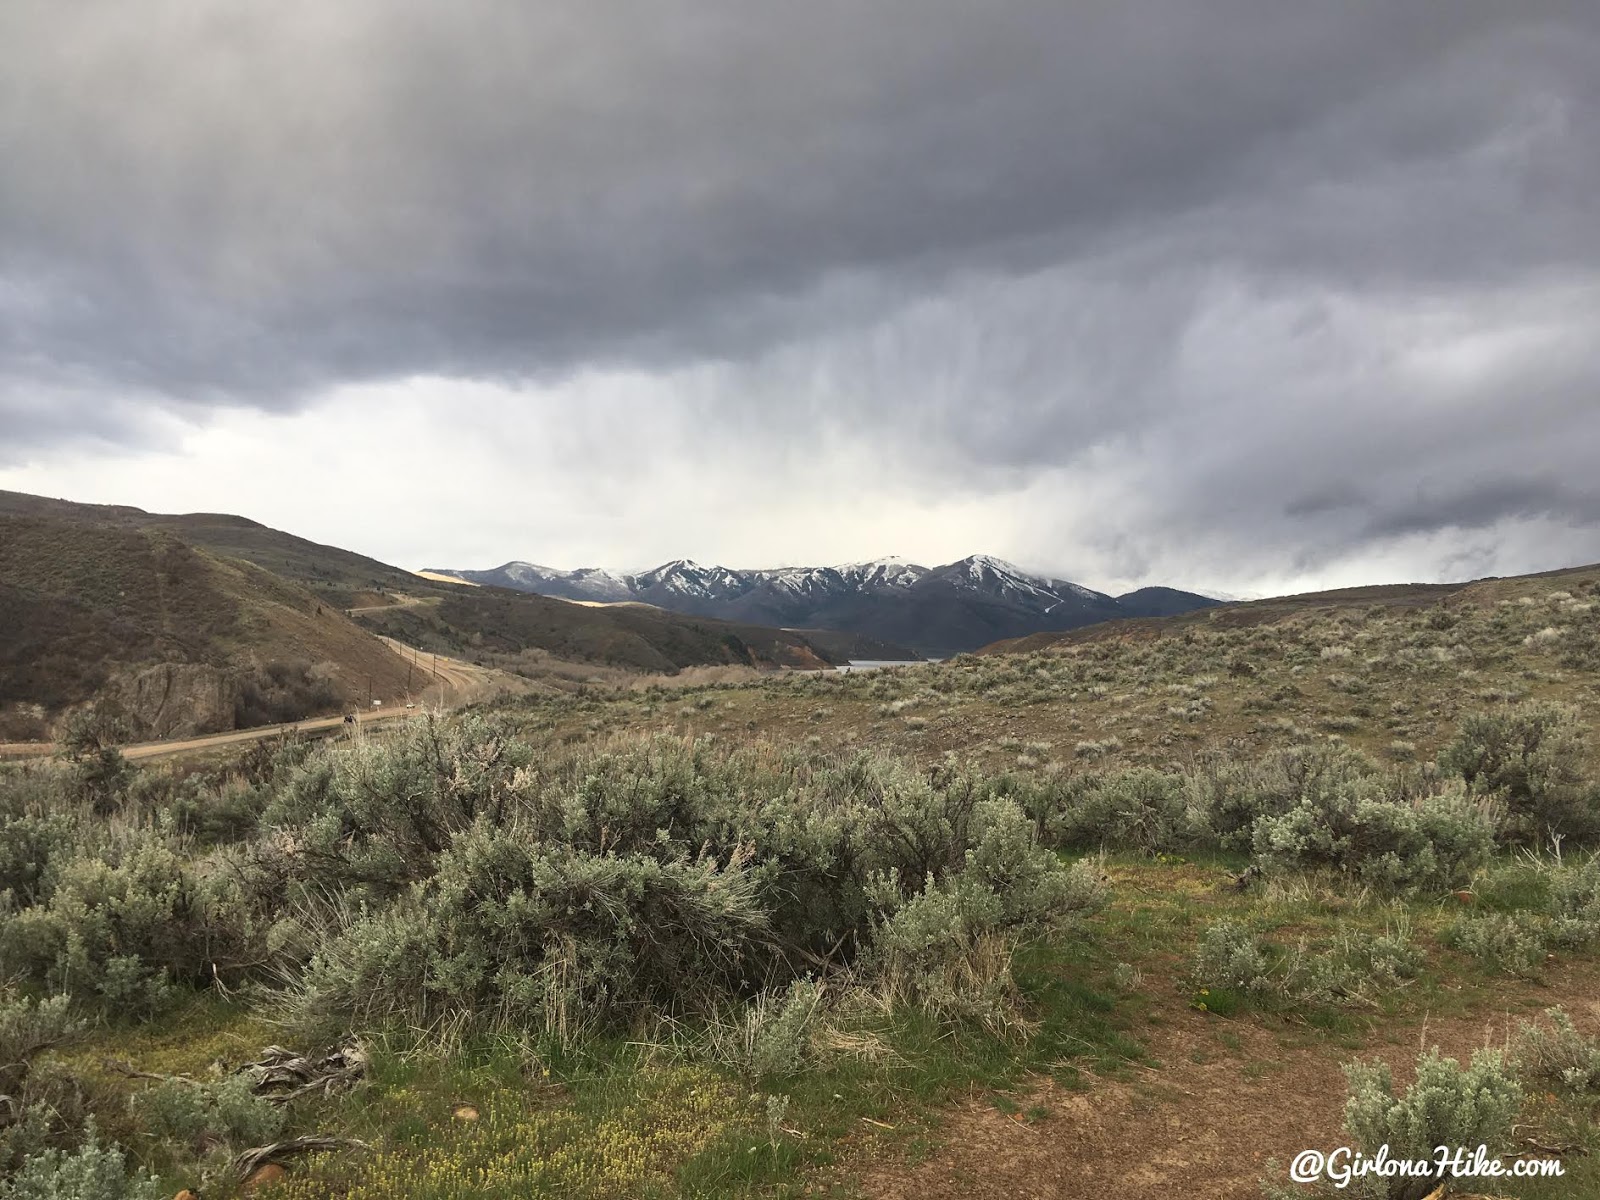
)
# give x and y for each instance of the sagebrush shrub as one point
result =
(948, 947)
(1231, 794)
(523, 933)
(1531, 756)
(1446, 1105)
(375, 816)
(206, 1116)
(91, 1172)
(1355, 969)
(1575, 904)
(122, 927)
(768, 1038)
(32, 1112)
(1134, 810)
(27, 1027)
(37, 831)
(1511, 942)
(1556, 1054)
(1229, 956)
(1430, 841)
(203, 812)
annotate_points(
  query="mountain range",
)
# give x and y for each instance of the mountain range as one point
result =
(935, 610)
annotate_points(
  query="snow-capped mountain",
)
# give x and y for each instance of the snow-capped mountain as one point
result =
(939, 610)
(688, 579)
(586, 583)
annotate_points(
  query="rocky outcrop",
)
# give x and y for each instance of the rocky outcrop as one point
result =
(176, 699)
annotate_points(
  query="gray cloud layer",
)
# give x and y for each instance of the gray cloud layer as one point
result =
(1297, 277)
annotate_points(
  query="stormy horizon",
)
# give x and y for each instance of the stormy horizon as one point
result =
(1224, 296)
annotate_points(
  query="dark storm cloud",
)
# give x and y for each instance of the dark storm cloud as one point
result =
(1259, 265)
(202, 200)
(1480, 504)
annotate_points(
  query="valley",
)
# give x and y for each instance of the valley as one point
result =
(403, 798)
(990, 926)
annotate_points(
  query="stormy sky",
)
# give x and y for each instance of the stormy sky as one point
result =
(1237, 295)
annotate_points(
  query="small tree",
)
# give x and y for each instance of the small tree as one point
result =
(89, 741)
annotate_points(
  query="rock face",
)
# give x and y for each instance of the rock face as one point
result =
(177, 699)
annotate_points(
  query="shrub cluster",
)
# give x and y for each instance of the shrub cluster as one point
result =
(203, 1118)
(1575, 904)
(1354, 970)
(1513, 942)
(1530, 757)
(89, 1172)
(1317, 807)
(1556, 1054)
(1429, 841)
(664, 876)
(122, 927)
(31, 1116)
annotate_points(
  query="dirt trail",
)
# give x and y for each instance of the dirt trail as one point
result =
(1226, 1098)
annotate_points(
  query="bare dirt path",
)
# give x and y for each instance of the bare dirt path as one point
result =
(1225, 1098)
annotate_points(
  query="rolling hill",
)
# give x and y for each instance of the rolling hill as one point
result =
(117, 603)
(1390, 670)
(171, 638)
(340, 577)
(1245, 614)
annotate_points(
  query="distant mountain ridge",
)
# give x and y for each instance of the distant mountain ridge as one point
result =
(515, 630)
(936, 610)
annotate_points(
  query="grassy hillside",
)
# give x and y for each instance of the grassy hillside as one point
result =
(172, 638)
(1386, 669)
(340, 576)
(1243, 614)
(487, 625)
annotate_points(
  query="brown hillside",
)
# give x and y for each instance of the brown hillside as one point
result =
(175, 640)
(514, 630)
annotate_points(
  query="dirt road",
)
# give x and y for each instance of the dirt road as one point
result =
(25, 750)
(440, 683)
(398, 602)
(452, 681)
